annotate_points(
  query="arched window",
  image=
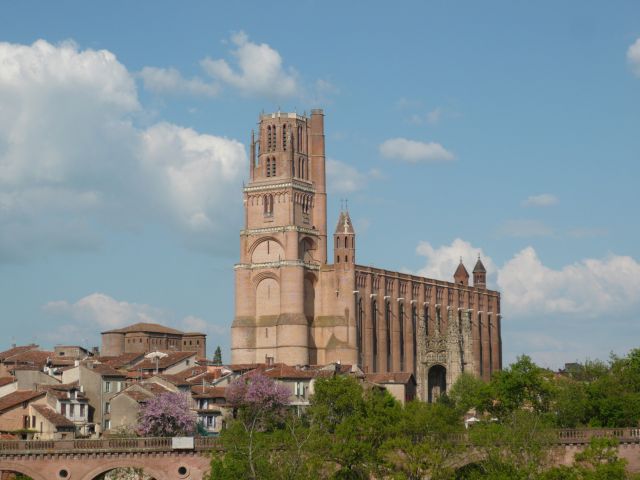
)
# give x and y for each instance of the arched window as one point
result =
(269, 138)
(293, 167)
(426, 321)
(438, 321)
(414, 329)
(299, 139)
(401, 334)
(374, 334)
(338, 259)
(273, 167)
(359, 332)
(490, 344)
(284, 138)
(268, 167)
(268, 205)
(338, 242)
(346, 259)
(387, 320)
(480, 343)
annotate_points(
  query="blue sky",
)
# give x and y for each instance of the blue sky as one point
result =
(503, 128)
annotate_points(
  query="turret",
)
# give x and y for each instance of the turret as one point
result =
(479, 274)
(344, 241)
(461, 276)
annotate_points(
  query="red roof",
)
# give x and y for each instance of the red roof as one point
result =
(391, 377)
(15, 350)
(165, 362)
(6, 380)
(18, 397)
(143, 327)
(55, 418)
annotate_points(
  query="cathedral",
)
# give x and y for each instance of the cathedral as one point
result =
(294, 306)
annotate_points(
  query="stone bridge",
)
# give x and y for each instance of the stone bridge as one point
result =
(189, 458)
(160, 458)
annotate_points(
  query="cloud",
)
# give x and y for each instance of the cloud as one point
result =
(82, 319)
(414, 151)
(589, 287)
(542, 200)
(259, 70)
(170, 80)
(525, 229)
(104, 311)
(443, 261)
(586, 306)
(633, 57)
(344, 178)
(72, 159)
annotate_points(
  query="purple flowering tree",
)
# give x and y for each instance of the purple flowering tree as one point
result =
(167, 415)
(258, 400)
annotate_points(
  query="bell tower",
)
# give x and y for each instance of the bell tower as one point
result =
(284, 240)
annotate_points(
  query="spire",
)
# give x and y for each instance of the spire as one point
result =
(479, 274)
(344, 225)
(461, 276)
(479, 268)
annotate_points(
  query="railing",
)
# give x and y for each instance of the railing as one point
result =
(203, 444)
(584, 435)
(141, 444)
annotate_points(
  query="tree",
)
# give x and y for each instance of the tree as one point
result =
(424, 443)
(258, 404)
(469, 392)
(350, 425)
(167, 415)
(217, 356)
(522, 385)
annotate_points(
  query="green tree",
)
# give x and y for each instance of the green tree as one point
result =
(425, 443)
(350, 425)
(516, 448)
(217, 356)
(522, 385)
(469, 392)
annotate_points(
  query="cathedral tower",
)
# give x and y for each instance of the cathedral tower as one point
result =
(284, 240)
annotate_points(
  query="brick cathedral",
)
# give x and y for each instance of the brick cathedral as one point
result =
(293, 306)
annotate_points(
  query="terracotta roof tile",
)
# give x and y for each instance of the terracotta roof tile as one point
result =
(146, 328)
(6, 380)
(138, 396)
(208, 392)
(391, 377)
(55, 418)
(17, 397)
(104, 370)
(171, 359)
(15, 350)
(123, 360)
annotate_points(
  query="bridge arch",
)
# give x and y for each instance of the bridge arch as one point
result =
(12, 467)
(107, 466)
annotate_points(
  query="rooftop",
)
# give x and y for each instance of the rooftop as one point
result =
(18, 397)
(52, 416)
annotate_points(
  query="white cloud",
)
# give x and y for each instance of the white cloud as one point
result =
(542, 200)
(413, 151)
(170, 80)
(344, 178)
(105, 312)
(443, 261)
(587, 308)
(99, 311)
(589, 287)
(434, 116)
(525, 229)
(259, 70)
(72, 158)
(633, 57)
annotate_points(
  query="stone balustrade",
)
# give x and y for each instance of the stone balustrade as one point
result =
(574, 436)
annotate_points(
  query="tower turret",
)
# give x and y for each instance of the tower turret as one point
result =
(461, 276)
(479, 274)
(344, 241)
